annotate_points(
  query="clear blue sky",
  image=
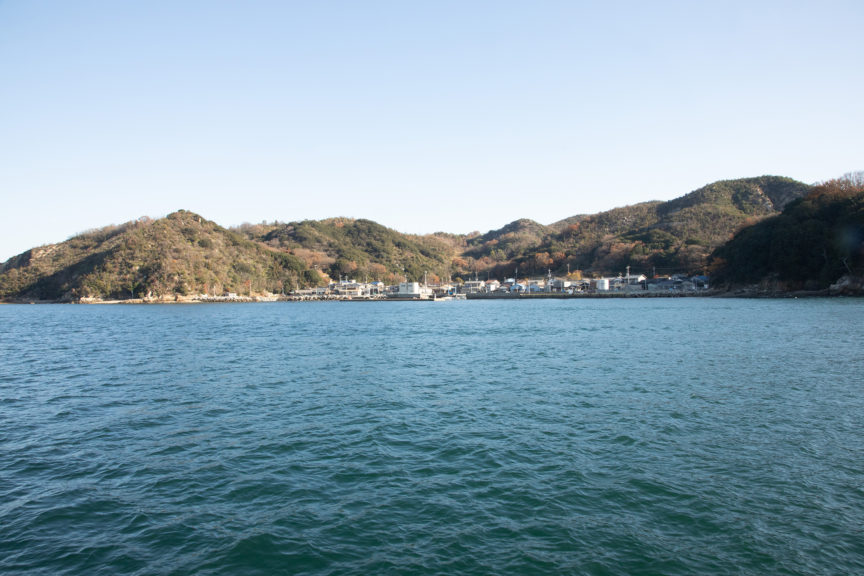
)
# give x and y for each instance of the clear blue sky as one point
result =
(423, 116)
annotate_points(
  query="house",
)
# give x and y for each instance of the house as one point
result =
(700, 282)
(351, 289)
(442, 289)
(630, 283)
(473, 286)
(635, 283)
(412, 290)
(347, 288)
(677, 283)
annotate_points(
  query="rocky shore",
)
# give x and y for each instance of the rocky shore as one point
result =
(846, 286)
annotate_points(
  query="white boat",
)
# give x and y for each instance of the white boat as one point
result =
(449, 297)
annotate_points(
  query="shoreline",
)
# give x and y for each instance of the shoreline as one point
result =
(742, 293)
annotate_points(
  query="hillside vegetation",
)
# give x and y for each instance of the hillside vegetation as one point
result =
(359, 248)
(180, 254)
(674, 236)
(184, 254)
(814, 242)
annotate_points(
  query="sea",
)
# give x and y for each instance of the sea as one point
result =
(583, 436)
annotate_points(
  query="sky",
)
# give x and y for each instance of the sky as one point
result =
(424, 116)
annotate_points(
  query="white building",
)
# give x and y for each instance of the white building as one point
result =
(413, 290)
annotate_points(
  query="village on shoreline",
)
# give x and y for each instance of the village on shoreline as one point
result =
(350, 290)
(548, 286)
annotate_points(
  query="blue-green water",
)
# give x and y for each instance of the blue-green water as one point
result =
(664, 436)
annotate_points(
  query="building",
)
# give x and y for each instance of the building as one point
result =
(412, 290)
(473, 286)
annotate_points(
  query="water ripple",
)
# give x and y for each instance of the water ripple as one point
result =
(590, 437)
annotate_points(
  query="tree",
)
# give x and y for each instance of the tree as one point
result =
(812, 243)
(377, 271)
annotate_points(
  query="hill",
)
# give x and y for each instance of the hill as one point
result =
(674, 236)
(184, 254)
(177, 255)
(815, 241)
(359, 248)
(498, 251)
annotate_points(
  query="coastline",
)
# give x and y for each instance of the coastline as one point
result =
(737, 293)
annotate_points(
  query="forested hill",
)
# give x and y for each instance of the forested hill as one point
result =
(177, 255)
(360, 248)
(184, 254)
(673, 236)
(816, 240)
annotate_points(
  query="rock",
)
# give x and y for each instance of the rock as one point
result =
(847, 286)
